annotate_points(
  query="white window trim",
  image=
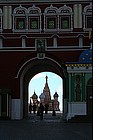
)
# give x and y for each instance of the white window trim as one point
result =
(58, 13)
(68, 29)
(33, 30)
(15, 15)
(55, 29)
(85, 13)
(19, 30)
(47, 14)
(38, 15)
(70, 13)
(27, 15)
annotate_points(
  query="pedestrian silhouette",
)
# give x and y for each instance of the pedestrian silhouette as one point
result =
(46, 108)
(53, 113)
(30, 108)
(34, 108)
(41, 108)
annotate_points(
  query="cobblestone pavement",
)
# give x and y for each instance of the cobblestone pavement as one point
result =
(50, 128)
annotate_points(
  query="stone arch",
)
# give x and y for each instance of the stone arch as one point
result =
(20, 10)
(34, 10)
(51, 10)
(31, 69)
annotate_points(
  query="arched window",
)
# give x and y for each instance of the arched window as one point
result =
(0, 20)
(34, 19)
(87, 15)
(50, 19)
(65, 18)
(19, 19)
(27, 20)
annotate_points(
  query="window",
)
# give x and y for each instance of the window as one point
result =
(65, 22)
(34, 23)
(51, 23)
(58, 19)
(19, 19)
(20, 23)
(89, 22)
(27, 20)
(65, 14)
(87, 16)
(50, 19)
(34, 19)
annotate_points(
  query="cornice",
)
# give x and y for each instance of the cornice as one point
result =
(41, 1)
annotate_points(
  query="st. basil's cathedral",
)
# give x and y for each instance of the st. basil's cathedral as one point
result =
(45, 98)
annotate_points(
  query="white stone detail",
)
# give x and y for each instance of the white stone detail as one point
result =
(16, 109)
(77, 16)
(79, 69)
(76, 108)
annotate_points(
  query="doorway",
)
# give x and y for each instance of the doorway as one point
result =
(45, 88)
(34, 67)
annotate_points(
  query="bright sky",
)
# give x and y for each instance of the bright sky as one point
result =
(37, 84)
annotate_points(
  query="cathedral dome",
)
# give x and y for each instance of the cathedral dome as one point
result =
(86, 56)
(55, 95)
(34, 96)
(42, 96)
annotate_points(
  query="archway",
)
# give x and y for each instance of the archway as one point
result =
(47, 85)
(30, 69)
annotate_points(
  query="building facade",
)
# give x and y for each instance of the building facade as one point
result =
(45, 35)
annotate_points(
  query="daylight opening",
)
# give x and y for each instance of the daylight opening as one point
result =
(46, 88)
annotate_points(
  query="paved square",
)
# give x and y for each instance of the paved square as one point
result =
(36, 129)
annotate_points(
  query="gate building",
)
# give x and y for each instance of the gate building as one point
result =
(45, 35)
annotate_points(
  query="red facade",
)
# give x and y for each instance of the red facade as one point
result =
(62, 25)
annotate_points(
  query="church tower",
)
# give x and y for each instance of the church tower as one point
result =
(46, 92)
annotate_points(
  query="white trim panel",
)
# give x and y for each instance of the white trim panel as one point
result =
(76, 108)
(16, 109)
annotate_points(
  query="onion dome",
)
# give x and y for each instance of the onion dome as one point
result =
(86, 56)
(34, 96)
(55, 95)
(42, 96)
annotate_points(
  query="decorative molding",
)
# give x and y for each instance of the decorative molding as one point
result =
(78, 65)
(65, 10)
(50, 10)
(31, 12)
(20, 11)
(30, 64)
(88, 9)
(34, 11)
(40, 45)
(87, 12)
(58, 13)
(43, 1)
